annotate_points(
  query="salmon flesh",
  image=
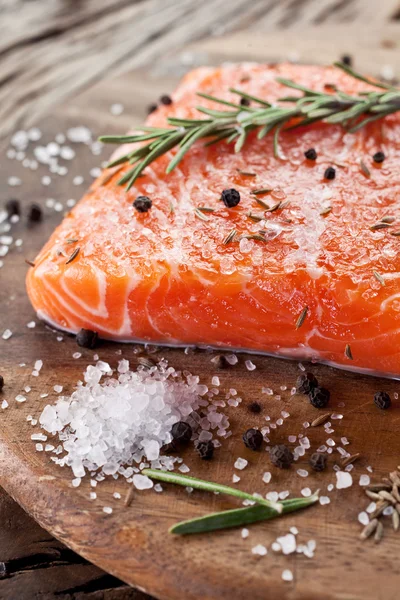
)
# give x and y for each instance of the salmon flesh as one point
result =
(322, 285)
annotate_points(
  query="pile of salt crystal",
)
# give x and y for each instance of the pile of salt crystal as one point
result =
(110, 422)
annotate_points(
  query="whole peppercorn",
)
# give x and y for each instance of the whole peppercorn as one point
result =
(382, 400)
(319, 397)
(244, 102)
(230, 198)
(378, 157)
(13, 207)
(86, 338)
(151, 108)
(34, 213)
(205, 450)
(330, 173)
(166, 100)
(181, 432)
(170, 447)
(1, 382)
(142, 204)
(255, 407)
(281, 456)
(305, 383)
(318, 461)
(311, 154)
(253, 439)
(346, 59)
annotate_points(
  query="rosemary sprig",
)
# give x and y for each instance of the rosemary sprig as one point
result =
(240, 516)
(209, 486)
(235, 122)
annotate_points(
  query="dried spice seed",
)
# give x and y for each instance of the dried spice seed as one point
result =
(182, 432)
(369, 529)
(385, 495)
(318, 461)
(325, 211)
(311, 154)
(205, 450)
(86, 338)
(142, 204)
(378, 157)
(244, 102)
(364, 168)
(305, 383)
(388, 219)
(347, 352)
(379, 278)
(13, 207)
(320, 420)
(378, 533)
(274, 207)
(254, 217)
(73, 256)
(199, 214)
(230, 198)
(255, 407)
(151, 108)
(350, 459)
(302, 317)
(319, 397)
(347, 60)
(166, 100)
(230, 237)
(29, 262)
(260, 192)
(395, 520)
(35, 213)
(205, 209)
(246, 173)
(377, 487)
(379, 226)
(253, 439)
(146, 362)
(281, 456)
(380, 507)
(71, 241)
(1, 382)
(129, 496)
(373, 495)
(330, 173)
(382, 400)
(395, 233)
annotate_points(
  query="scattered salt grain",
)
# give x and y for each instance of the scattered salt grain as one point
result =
(142, 482)
(287, 543)
(306, 492)
(365, 480)
(158, 488)
(330, 487)
(215, 380)
(283, 495)
(292, 439)
(245, 533)
(235, 478)
(117, 495)
(259, 550)
(343, 480)
(324, 500)
(20, 398)
(107, 509)
(336, 416)
(4, 404)
(49, 448)
(78, 180)
(371, 507)
(14, 181)
(272, 496)
(38, 365)
(287, 575)
(93, 495)
(266, 477)
(39, 447)
(76, 355)
(184, 469)
(38, 437)
(285, 414)
(58, 389)
(345, 441)
(363, 518)
(388, 511)
(76, 482)
(116, 109)
(302, 472)
(232, 359)
(31, 324)
(250, 366)
(6, 334)
(241, 463)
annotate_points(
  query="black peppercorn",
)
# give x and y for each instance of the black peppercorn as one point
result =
(170, 447)
(379, 157)
(205, 450)
(253, 439)
(346, 59)
(12, 207)
(281, 456)
(166, 100)
(142, 204)
(382, 400)
(311, 154)
(318, 461)
(151, 108)
(87, 338)
(244, 102)
(319, 397)
(1, 382)
(34, 213)
(330, 173)
(255, 407)
(181, 432)
(305, 383)
(230, 198)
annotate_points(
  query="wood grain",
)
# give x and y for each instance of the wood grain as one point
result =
(133, 543)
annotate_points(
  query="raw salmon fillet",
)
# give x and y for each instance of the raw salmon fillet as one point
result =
(166, 276)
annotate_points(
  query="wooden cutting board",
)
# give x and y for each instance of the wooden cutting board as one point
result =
(133, 542)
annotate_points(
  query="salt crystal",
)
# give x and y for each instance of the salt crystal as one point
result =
(38, 365)
(93, 495)
(306, 492)
(344, 441)
(267, 390)
(306, 425)
(39, 447)
(272, 496)
(388, 511)
(371, 507)
(283, 495)
(79, 134)
(292, 439)
(78, 180)
(39, 437)
(330, 487)
(363, 518)
(31, 324)
(116, 109)
(287, 575)
(14, 181)
(117, 495)
(287, 543)
(266, 477)
(250, 366)
(76, 482)
(241, 463)
(184, 469)
(336, 416)
(76, 355)
(20, 398)
(245, 533)
(365, 480)
(235, 478)
(58, 388)
(285, 414)
(259, 550)
(232, 359)
(215, 380)
(48, 448)
(330, 442)
(294, 530)
(349, 468)
(4, 404)
(302, 472)
(107, 509)
(6, 334)
(142, 482)
(343, 480)
(158, 488)
(324, 500)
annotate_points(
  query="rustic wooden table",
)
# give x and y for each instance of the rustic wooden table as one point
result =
(52, 49)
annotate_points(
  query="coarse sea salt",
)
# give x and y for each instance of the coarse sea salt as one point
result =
(259, 550)
(110, 422)
(241, 463)
(306, 492)
(343, 480)
(287, 575)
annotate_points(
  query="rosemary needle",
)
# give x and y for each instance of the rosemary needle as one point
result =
(240, 516)
(235, 122)
(209, 486)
